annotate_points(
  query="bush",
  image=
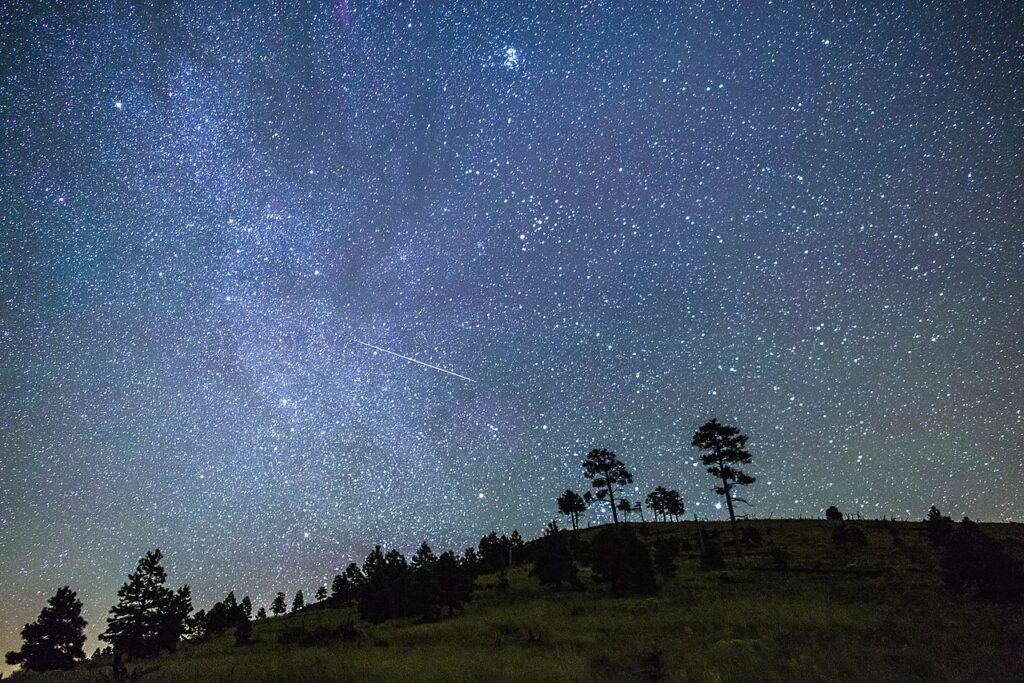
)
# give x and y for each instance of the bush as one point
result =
(938, 527)
(833, 514)
(621, 560)
(975, 562)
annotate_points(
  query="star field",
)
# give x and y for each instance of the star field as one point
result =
(616, 221)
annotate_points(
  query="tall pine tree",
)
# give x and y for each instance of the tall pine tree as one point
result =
(55, 639)
(149, 616)
(723, 450)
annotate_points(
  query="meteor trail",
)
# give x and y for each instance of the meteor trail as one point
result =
(433, 367)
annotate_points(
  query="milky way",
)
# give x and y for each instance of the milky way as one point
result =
(806, 221)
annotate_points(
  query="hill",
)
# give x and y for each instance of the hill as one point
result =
(872, 613)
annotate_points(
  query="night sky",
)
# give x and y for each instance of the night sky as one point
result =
(613, 223)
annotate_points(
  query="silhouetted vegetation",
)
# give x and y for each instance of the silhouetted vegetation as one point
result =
(553, 563)
(938, 526)
(572, 505)
(665, 502)
(833, 514)
(723, 449)
(277, 607)
(606, 474)
(299, 601)
(149, 617)
(666, 550)
(55, 639)
(973, 562)
(621, 560)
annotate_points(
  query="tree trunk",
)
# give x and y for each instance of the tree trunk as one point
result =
(611, 497)
(732, 516)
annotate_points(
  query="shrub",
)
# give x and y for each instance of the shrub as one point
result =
(621, 560)
(938, 526)
(833, 514)
(975, 562)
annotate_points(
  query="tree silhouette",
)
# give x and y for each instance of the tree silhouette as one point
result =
(321, 593)
(55, 639)
(553, 562)
(425, 589)
(386, 592)
(621, 560)
(454, 582)
(656, 501)
(938, 526)
(572, 505)
(261, 613)
(606, 473)
(148, 617)
(833, 514)
(246, 607)
(277, 607)
(243, 632)
(298, 602)
(673, 504)
(625, 506)
(723, 448)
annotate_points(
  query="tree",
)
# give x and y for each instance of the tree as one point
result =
(277, 607)
(386, 592)
(673, 504)
(454, 582)
(656, 501)
(243, 632)
(572, 505)
(425, 589)
(833, 514)
(246, 607)
(625, 506)
(149, 617)
(55, 639)
(938, 526)
(724, 449)
(553, 562)
(606, 473)
(621, 560)
(321, 593)
(298, 602)
(261, 613)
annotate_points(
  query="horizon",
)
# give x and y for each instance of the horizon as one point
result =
(282, 284)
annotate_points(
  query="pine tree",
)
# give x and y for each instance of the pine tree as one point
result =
(277, 607)
(673, 504)
(553, 562)
(261, 613)
(454, 582)
(321, 593)
(246, 607)
(572, 505)
(656, 501)
(298, 602)
(606, 474)
(149, 617)
(425, 590)
(243, 632)
(724, 449)
(55, 639)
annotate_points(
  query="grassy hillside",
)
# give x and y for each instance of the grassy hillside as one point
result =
(877, 613)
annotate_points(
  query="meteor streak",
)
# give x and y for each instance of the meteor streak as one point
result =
(413, 360)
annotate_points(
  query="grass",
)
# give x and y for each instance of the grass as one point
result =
(877, 613)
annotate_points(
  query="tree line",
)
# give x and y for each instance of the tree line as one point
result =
(723, 450)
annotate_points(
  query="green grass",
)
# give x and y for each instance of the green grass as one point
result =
(871, 614)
